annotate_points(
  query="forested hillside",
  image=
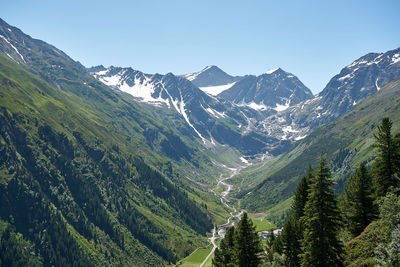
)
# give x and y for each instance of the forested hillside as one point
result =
(360, 228)
(347, 142)
(71, 182)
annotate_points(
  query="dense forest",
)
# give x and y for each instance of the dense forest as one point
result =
(361, 227)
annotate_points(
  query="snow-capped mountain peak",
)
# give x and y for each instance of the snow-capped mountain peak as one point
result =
(210, 76)
(135, 83)
(193, 76)
(360, 79)
(270, 71)
(276, 89)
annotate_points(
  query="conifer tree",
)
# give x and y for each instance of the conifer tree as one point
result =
(247, 243)
(301, 193)
(321, 220)
(269, 248)
(292, 230)
(387, 162)
(223, 256)
(358, 207)
(291, 237)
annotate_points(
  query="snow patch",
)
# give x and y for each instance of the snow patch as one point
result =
(271, 71)
(348, 76)
(215, 90)
(142, 89)
(300, 137)
(280, 107)
(215, 113)
(253, 105)
(289, 129)
(11, 57)
(395, 58)
(364, 62)
(114, 80)
(376, 84)
(16, 50)
(102, 72)
(182, 111)
(244, 160)
(192, 76)
(315, 98)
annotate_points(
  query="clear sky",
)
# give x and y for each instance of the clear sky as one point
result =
(311, 39)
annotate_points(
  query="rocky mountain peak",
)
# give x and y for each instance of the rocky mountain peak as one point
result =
(276, 89)
(210, 76)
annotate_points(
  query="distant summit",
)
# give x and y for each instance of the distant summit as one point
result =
(276, 89)
(359, 80)
(211, 76)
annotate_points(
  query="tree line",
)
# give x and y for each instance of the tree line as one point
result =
(320, 223)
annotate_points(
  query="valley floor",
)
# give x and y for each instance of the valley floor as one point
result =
(203, 256)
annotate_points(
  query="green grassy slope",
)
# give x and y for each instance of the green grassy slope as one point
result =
(76, 183)
(347, 142)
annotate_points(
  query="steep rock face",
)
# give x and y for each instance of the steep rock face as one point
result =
(212, 119)
(42, 58)
(156, 89)
(359, 80)
(355, 82)
(275, 89)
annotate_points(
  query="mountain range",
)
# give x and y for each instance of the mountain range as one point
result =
(275, 89)
(214, 120)
(275, 106)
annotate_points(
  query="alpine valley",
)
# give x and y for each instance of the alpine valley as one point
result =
(110, 166)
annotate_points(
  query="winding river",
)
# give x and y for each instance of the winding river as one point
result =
(219, 231)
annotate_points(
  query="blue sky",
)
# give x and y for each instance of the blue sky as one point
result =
(311, 39)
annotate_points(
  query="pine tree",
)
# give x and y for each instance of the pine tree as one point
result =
(291, 237)
(358, 207)
(223, 256)
(386, 164)
(321, 220)
(292, 230)
(247, 243)
(301, 194)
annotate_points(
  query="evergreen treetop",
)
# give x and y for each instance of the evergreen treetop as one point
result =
(292, 232)
(386, 165)
(247, 243)
(224, 255)
(301, 193)
(358, 200)
(321, 220)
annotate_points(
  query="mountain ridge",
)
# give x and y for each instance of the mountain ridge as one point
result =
(276, 89)
(347, 140)
(213, 120)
